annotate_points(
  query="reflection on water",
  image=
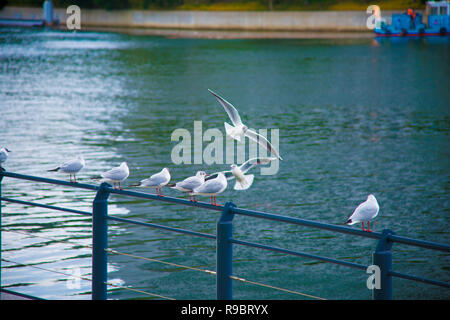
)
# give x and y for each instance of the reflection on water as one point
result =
(356, 116)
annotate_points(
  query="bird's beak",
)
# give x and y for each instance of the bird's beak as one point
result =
(207, 175)
(7, 150)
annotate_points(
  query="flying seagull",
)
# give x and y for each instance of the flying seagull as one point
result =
(212, 187)
(243, 181)
(72, 167)
(366, 211)
(158, 180)
(117, 174)
(189, 184)
(239, 130)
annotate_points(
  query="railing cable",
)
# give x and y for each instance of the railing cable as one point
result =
(213, 273)
(276, 288)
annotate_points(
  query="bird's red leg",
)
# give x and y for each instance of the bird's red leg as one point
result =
(74, 178)
(190, 197)
(114, 185)
(212, 200)
(215, 203)
(363, 226)
(120, 188)
(368, 227)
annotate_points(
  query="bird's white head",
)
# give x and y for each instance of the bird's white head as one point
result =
(371, 197)
(201, 174)
(233, 166)
(244, 128)
(166, 170)
(124, 164)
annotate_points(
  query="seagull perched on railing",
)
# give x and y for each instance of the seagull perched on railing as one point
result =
(239, 130)
(189, 184)
(158, 180)
(243, 181)
(3, 155)
(117, 174)
(72, 167)
(366, 211)
(212, 187)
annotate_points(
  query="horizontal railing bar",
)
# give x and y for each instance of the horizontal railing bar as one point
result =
(135, 194)
(204, 205)
(51, 181)
(46, 206)
(419, 243)
(23, 295)
(306, 223)
(115, 191)
(419, 279)
(157, 226)
(300, 254)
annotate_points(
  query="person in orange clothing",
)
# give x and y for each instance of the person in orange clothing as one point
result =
(412, 14)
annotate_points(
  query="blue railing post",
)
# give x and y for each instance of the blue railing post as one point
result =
(100, 243)
(224, 259)
(382, 257)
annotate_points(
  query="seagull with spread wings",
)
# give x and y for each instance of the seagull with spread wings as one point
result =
(238, 129)
(243, 181)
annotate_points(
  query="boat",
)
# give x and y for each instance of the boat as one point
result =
(410, 23)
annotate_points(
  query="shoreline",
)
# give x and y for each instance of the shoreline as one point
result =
(228, 34)
(252, 24)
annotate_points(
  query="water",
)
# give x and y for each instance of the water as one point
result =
(355, 116)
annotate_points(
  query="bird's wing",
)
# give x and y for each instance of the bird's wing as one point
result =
(211, 186)
(114, 174)
(155, 180)
(190, 183)
(262, 141)
(249, 164)
(71, 165)
(232, 112)
(364, 211)
(227, 175)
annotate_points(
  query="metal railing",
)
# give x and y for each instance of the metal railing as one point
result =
(382, 256)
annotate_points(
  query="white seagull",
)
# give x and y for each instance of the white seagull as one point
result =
(243, 181)
(239, 130)
(366, 211)
(212, 187)
(189, 184)
(117, 174)
(158, 180)
(3, 155)
(72, 167)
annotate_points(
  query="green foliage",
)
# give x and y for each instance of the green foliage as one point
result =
(219, 4)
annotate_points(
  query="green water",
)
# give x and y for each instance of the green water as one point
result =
(355, 116)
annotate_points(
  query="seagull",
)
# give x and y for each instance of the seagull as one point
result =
(3, 154)
(243, 181)
(71, 167)
(212, 187)
(366, 211)
(239, 130)
(189, 184)
(157, 181)
(117, 174)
